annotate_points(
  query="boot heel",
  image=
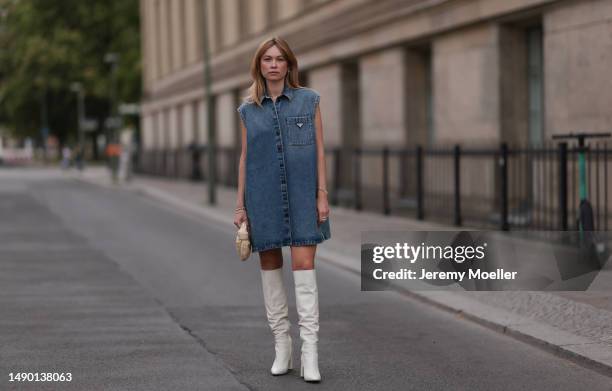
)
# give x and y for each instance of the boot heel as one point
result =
(290, 366)
(301, 370)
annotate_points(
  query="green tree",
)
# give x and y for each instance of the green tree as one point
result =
(47, 44)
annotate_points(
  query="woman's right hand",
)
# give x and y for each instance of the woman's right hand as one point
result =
(239, 217)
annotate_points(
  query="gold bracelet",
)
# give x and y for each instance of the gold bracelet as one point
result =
(322, 189)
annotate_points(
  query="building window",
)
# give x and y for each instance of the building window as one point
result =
(272, 12)
(169, 37)
(217, 22)
(243, 18)
(183, 35)
(158, 41)
(429, 107)
(535, 81)
(419, 110)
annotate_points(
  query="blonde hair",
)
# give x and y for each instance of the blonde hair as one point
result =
(258, 86)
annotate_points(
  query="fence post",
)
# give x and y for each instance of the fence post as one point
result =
(337, 167)
(205, 156)
(357, 167)
(420, 188)
(402, 173)
(457, 156)
(196, 174)
(385, 184)
(503, 166)
(563, 186)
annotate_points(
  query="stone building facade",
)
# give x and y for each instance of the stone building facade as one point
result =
(390, 72)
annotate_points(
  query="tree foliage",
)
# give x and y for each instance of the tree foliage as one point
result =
(45, 45)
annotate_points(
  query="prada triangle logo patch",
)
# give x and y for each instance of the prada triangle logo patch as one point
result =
(299, 124)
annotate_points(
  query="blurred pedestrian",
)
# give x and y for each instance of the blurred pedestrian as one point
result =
(125, 160)
(282, 194)
(66, 157)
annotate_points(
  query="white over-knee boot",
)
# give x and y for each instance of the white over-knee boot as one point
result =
(275, 299)
(307, 303)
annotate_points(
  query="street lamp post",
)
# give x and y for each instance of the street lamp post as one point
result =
(212, 156)
(78, 88)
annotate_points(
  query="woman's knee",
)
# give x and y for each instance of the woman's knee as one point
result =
(271, 259)
(307, 264)
(302, 257)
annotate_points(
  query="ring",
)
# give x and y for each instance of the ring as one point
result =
(323, 218)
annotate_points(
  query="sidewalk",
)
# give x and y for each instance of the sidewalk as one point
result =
(576, 325)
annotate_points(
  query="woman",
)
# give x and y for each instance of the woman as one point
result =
(282, 195)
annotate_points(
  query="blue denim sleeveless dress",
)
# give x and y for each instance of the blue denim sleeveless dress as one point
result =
(281, 170)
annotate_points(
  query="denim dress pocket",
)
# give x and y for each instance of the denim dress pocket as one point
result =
(300, 130)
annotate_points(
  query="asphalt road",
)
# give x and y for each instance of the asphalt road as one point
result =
(368, 340)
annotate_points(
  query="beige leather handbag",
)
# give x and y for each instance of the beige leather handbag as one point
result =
(243, 244)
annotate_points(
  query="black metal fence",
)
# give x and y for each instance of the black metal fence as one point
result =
(502, 187)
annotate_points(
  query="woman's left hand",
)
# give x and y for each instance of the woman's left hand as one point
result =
(322, 208)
